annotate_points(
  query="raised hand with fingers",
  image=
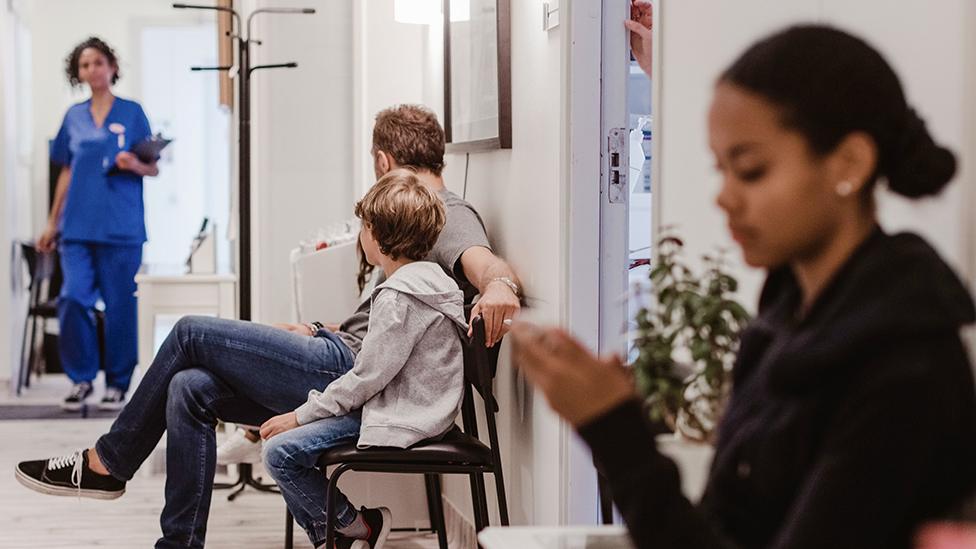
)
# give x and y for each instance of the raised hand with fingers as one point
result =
(578, 385)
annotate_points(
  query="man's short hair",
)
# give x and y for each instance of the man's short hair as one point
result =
(412, 135)
(404, 216)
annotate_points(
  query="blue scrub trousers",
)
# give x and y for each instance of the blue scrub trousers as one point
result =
(93, 270)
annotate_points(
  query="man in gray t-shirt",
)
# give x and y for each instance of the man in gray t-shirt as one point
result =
(410, 136)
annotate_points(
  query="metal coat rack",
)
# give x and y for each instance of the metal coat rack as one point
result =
(242, 72)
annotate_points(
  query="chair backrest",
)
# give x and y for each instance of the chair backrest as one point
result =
(480, 365)
(41, 267)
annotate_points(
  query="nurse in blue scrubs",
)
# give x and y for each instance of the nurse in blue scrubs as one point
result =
(96, 221)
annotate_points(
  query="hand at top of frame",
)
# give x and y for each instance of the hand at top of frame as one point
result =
(580, 387)
(640, 24)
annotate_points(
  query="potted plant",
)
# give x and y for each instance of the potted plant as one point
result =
(686, 340)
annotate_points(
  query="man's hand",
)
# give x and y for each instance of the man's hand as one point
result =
(300, 329)
(579, 386)
(498, 303)
(278, 425)
(640, 24)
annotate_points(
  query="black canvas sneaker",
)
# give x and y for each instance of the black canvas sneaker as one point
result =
(68, 476)
(379, 521)
(77, 397)
(113, 400)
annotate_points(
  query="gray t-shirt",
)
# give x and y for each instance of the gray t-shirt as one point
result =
(463, 229)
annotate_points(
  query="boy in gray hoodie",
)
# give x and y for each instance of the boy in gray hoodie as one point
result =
(406, 383)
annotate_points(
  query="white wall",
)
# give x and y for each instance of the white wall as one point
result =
(302, 141)
(392, 65)
(927, 45)
(8, 151)
(519, 194)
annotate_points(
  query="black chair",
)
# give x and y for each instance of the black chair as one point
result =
(43, 287)
(42, 284)
(458, 452)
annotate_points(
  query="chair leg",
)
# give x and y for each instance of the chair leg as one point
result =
(31, 356)
(606, 502)
(289, 530)
(330, 498)
(23, 349)
(100, 336)
(500, 492)
(436, 506)
(483, 499)
(477, 497)
(431, 512)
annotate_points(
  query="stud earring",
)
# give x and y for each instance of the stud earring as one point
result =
(844, 188)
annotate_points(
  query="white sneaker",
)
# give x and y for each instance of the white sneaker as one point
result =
(238, 449)
(113, 400)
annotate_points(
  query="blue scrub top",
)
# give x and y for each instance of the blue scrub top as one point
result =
(103, 204)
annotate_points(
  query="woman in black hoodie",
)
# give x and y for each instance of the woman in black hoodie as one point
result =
(853, 418)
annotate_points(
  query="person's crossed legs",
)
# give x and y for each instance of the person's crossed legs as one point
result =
(206, 369)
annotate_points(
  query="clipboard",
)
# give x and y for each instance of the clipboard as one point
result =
(148, 149)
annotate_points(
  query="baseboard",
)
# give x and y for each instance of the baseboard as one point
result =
(461, 534)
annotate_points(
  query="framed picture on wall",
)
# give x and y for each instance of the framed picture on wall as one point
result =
(477, 75)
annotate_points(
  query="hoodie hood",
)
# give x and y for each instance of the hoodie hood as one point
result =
(893, 288)
(428, 284)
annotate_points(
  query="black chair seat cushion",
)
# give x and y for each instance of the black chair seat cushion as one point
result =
(453, 448)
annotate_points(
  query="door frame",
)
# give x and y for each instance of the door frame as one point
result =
(588, 24)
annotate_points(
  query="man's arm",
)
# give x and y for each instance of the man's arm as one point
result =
(499, 301)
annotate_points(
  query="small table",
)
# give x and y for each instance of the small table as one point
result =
(165, 290)
(555, 537)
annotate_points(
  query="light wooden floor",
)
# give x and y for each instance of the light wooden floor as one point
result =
(28, 519)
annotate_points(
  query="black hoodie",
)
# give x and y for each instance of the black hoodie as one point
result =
(848, 428)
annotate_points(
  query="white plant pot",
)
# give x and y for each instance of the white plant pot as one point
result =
(693, 460)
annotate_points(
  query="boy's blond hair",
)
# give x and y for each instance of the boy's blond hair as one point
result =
(404, 216)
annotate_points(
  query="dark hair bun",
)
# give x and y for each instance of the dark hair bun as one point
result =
(828, 84)
(918, 166)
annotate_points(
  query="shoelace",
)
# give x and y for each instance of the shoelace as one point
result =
(75, 460)
(78, 391)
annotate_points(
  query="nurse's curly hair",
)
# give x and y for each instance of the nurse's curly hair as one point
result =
(71, 62)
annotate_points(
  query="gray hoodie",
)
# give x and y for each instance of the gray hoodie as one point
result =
(409, 375)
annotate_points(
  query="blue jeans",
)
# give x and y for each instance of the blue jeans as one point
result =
(93, 270)
(290, 458)
(211, 368)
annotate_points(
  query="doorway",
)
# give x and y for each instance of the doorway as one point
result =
(194, 178)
